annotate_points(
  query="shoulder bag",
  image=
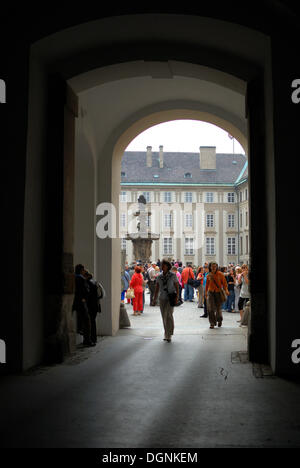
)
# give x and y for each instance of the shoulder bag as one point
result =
(222, 292)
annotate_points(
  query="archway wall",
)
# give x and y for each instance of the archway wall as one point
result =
(234, 50)
(85, 199)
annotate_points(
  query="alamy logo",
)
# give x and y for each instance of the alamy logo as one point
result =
(2, 92)
(296, 93)
(2, 352)
(296, 353)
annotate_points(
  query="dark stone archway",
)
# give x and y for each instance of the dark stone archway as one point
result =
(284, 117)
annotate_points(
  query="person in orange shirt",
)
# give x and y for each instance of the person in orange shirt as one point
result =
(187, 274)
(215, 281)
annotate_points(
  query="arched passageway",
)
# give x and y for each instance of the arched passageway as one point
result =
(229, 70)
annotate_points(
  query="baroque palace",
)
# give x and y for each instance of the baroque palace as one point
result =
(198, 204)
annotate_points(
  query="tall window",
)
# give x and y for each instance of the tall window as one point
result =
(123, 197)
(123, 220)
(241, 244)
(124, 244)
(188, 197)
(168, 197)
(147, 196)
(231, 221)
(188, 220)
(189, 246)
(210, 246)
(247, 244)
(230, 197)
(209, 197)
(246, 194)
(231, 246)
(168, 220)
(246, 218)
(209, 220)
(241, 220)
(241, 196)
(168, 245)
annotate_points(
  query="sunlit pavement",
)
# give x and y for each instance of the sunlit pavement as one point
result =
(135, 390)
(187, 322)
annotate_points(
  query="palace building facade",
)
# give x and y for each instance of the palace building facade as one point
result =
(198, 204)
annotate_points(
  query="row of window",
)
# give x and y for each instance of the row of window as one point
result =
(188, 197)
(210, 220)
(210, 246)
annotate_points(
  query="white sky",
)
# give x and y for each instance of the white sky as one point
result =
(185, 136)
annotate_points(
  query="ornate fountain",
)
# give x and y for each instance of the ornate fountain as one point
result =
(142, 239)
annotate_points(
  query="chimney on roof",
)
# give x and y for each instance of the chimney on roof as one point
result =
(149, 156)
(208, 158)
(161, 157)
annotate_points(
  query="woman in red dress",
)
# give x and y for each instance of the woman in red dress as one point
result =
(136, 283)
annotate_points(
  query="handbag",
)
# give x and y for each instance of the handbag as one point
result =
(130, 293)
(172, 299)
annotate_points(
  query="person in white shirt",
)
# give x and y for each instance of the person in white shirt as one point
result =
(152, 274)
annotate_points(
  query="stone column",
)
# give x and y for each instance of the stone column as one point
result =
(59, 278)
(70, 114)
(258, 337)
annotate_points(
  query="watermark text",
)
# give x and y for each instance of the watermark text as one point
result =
(296, 353)
(2, 92)
(2, 352)
(296, 92)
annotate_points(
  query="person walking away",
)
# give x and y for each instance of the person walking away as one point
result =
(200, 276)
(231, 298)
(136, 283)
(93, 303)
(237, 287)
(126, 280)
(80, 304)
(205, 273)
(186, 275)
(145, 281)
(167, 284)
(244, 294)
(152, 274)
(175, 270)
(214, 282)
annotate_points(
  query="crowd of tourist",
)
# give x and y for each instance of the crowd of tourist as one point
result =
(170, 284)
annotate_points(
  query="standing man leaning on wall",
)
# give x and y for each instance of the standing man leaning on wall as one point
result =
(80, 304)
